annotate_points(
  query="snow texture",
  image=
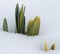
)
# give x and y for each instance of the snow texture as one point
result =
(49, 12)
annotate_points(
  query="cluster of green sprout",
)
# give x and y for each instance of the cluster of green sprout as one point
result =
(33, 25)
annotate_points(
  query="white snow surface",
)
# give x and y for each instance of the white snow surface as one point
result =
(49, 12)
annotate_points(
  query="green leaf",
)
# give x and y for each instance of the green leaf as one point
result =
(17, 16)
(35, 27)
(29, 25)
(5, 25)
(22, 19)
(23, 26)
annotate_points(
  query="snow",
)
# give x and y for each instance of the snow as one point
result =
(49, 12)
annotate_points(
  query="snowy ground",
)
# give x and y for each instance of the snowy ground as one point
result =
(49, 12)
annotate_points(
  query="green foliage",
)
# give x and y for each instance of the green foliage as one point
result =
(20, 19)
(17, 16)
(33, 25)
(5, 25)
(34, 28)
(29, 25)
(23, 26)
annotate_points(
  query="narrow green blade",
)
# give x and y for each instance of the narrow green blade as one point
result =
(21, 17)
(17, 16)
(29, 25)
(23, 26)
(5, 25)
